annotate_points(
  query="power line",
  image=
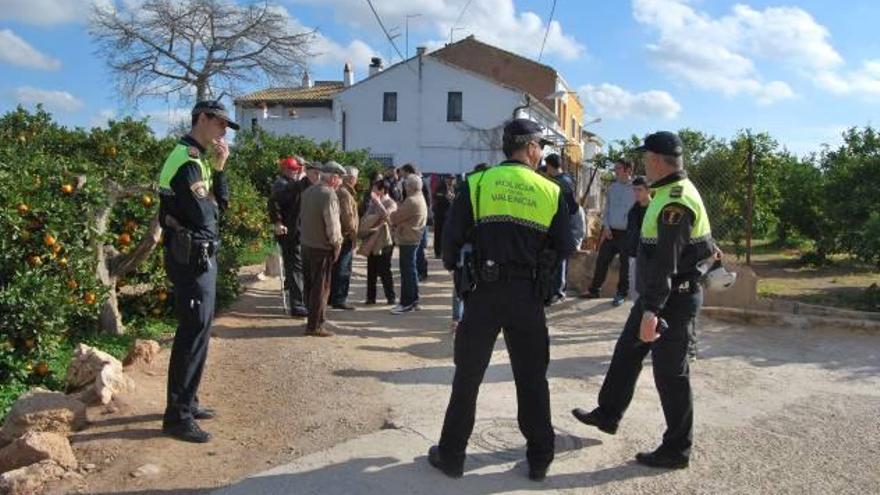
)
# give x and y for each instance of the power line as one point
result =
(547, 32)
(382, 25)
(461, 15)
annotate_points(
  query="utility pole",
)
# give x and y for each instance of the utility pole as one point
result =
(452, 30)
(408, 17)
(750, 163)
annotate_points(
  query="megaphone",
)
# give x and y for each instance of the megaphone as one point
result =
(716, 278)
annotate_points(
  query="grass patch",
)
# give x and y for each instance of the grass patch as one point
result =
(115, 345)
(257, 256)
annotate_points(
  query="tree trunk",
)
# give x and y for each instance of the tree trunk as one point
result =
(201, 91)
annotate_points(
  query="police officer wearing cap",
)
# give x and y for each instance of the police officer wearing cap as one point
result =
(284, 207)
(515, 219)
(675, 238)
(193, 193)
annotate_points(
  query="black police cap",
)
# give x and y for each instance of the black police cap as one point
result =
(525, 130)
(217, 109)
(663, 143)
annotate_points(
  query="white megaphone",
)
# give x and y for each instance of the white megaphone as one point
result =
(716, 278)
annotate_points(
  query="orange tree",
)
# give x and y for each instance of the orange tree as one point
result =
(78, 237)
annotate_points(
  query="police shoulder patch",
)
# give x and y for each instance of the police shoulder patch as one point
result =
(199, 189)
(193, 152)
(672, 215)
(676, 192)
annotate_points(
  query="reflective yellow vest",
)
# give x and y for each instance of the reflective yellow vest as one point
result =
(684, 193)
(178, 157)
(513, 193)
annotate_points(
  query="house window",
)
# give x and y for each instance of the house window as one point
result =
(453, 106)
(389, 107)
(574, 127)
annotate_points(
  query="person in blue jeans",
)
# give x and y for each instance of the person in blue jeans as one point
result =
(409, 223)
(421, 259)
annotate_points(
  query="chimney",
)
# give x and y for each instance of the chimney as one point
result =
(375, 66)
(307, 80)
(347, 75)
(420, 51)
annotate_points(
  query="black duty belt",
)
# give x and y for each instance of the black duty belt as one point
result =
(689, 286)
(495, 273)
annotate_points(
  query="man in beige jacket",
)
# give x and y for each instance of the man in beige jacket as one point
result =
(348, 219)
(321, 235)
(409, 225)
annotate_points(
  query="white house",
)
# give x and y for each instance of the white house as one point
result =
(426, 110)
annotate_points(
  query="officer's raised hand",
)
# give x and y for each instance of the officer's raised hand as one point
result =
(221, 153)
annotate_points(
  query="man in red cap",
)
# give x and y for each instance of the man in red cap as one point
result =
(284, 214)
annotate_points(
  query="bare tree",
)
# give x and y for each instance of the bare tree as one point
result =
(166, 47)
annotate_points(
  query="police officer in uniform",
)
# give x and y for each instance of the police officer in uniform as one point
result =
(675, 237)
(193, 192)
(516, 220)
(284, 207)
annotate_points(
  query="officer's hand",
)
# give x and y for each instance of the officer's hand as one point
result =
(221, 150)
(606, 234)
(648, 329)
(280, 229)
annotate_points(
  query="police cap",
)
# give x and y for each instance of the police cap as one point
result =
(524, 130)
(217, 109)
(663, 143)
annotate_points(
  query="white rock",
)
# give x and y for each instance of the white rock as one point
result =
(86, 365)
(146, 470)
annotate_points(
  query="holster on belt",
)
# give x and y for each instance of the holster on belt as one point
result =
(545, 273)
(180, 241)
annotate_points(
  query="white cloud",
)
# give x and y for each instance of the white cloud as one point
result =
(613, 102)
(47, 12)
(100, 119)
(16, 51)
(494, 21)
(52, 100)
(717, 53)
(864, 81)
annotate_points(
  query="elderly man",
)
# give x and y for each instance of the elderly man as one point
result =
(322, 240)
(284, 214)
(409, 223)
(421, 260)
(348, 219)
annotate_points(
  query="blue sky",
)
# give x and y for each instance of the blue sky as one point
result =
(802, 70)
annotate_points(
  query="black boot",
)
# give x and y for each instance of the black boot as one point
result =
(595, 418)
(187, 431)
(662, 459)
(436, 460)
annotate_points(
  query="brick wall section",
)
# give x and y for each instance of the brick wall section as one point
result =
(502, 66)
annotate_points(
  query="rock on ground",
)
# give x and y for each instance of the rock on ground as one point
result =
(142, 352)
(42, 410)
(36, 478)
(86, 365)
(36, 446)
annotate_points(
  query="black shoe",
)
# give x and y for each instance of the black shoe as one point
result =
(299, 313)
(595, 418)
(345, 306)
(538, 473)
(618, 300)
(204, 413)
(187, 431)
(370, 302)
(663, 460)
(590, 294)
(436, 460)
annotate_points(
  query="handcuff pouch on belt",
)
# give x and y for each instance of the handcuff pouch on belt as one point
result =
(180, 241)
(545, 273)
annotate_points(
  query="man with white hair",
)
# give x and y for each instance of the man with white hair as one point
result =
(348, 220)
(409, 223)
(322, 241)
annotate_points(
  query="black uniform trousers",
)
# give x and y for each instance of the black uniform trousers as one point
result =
(291, 255)
(194, 302)
(616, 246)
(439, 220)
(514, 307)
(669, 356)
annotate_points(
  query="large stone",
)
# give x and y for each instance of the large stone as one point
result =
(41, 410)
(142, 352)
(37, 478)
(86, 365)
(110, 383)
(582, 265)
(36, 446)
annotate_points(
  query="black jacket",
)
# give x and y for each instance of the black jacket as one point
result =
(195, 208)
(284, 202)
(506, 243)
(634, 229)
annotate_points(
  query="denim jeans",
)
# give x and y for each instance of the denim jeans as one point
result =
(559, 279)
(409, 279)
(341, 278)
(421, 259)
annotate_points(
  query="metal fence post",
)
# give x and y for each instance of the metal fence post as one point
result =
(750, 207)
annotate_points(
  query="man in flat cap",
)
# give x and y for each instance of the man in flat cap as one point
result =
(675, 237)
(321, 234)
(284, 214)
(516, 220)
(193, 193)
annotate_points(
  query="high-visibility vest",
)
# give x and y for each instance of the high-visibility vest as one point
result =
(681, 192)
(513, 193)
(179, 156)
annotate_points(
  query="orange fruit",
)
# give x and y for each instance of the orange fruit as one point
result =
(124, 239)
(42, 369)
(71, 284)
(162, 296)
(90, 298)
(147, 200)
(23, 209)
(49, 240)
(29, 343)
(56, 248)
(35, 260)
(63, 262)
(67, 188)
(111, 152)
